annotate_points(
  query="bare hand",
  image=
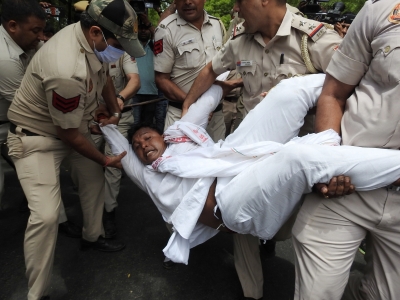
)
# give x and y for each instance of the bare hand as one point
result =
(229, 85)
(263, 94)
(45, 4)
(115, 161)
(120, 104)
(338, 186)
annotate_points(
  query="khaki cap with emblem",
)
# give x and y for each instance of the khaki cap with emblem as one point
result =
(119, 17)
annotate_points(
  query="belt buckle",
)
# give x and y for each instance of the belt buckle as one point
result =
(393, 188)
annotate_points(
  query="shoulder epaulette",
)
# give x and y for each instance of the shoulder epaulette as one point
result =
(312, 28)
(168, 20)
(212, 17)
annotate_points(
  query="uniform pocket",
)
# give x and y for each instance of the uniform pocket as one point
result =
(189, 56)
(249, 77)
(285, 71)
(386, 58)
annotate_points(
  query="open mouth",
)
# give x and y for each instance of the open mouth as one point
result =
(150, 153)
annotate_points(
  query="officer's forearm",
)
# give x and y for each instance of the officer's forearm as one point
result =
(73, 138)
(109, 97)
(171, 90)
(131, 87)
(202, 83)
(331, 104)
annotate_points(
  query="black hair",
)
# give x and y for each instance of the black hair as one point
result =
(135, 128)
(21, 10)
(87, 21)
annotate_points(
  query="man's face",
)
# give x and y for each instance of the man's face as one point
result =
(190, 10)
(144, 34)
(148, 145)
(27, 34)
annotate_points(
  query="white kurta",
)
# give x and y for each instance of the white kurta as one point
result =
(260, 180)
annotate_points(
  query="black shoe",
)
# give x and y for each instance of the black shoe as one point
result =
(269, 247)
(70, 229)
(168, 264)
(110, 227)
(102, 245)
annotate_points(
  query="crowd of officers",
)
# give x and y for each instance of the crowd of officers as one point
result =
(94, 70)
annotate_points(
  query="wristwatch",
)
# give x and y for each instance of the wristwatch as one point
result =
(121, 97)
(117, 115)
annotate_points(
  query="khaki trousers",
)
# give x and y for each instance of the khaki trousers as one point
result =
(326, 237)
(216, 126)
(113, 175)
(37, 160)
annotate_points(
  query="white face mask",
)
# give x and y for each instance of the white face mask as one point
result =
(108, 55)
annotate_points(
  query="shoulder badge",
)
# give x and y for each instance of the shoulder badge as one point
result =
(168, 20)
(394, 16)
(312, 28)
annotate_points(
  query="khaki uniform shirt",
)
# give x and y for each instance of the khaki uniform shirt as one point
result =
(370, 57)
(118, 70)
(13, 64)
(260, 64)
(61, 85)
(182, 50)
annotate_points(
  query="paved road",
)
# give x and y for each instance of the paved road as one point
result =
(136, 272)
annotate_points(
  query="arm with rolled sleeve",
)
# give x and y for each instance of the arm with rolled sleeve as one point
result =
(164, 59)
(345, 71)
(66, 102)
(132, 76)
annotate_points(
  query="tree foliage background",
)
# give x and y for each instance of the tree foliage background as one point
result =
(217, 8)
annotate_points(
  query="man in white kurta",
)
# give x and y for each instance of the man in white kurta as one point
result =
(178, 181)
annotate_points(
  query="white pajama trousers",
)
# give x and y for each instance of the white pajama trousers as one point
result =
(260, 199)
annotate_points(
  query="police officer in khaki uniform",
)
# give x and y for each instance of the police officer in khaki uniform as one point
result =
(20, 34)
(272, 44)
(184, 43)
(125, 76)
(50, 118)
(360, 99)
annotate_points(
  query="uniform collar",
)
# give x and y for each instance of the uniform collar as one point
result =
(286, 25)
(13, 46)
(94, 63)
(180, 21)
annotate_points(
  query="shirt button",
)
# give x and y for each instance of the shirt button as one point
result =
(244, 72)
(82, 51)
(265, 74)
(289, 75)
(266, 51)
(387, 49)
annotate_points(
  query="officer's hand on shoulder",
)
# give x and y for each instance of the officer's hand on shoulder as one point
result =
(115, 161)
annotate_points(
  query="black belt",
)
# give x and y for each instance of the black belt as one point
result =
(179, 106)
(13, 128)
(4, 122)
